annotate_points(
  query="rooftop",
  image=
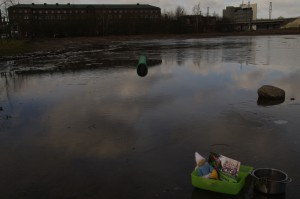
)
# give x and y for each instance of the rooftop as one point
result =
(84, 6)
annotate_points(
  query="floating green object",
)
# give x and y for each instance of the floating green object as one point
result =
(142, 68)
(219, 186)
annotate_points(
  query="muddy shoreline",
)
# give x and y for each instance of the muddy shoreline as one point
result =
(82, 42)
(46, 46)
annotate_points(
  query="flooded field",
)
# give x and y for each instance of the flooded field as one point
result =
(84, 124)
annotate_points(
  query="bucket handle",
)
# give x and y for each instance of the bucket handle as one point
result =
(252, 174)
(288, 180)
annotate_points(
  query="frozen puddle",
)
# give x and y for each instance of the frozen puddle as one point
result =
(280, 122)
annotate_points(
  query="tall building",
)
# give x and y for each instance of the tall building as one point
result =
(253, 7)
(243, 13)
(32, 20)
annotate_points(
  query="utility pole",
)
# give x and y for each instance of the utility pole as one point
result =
(250, 15)
(207, 11)
(270, 11)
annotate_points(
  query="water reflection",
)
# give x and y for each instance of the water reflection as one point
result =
(142, 70)
(268, 102)
(80, 117)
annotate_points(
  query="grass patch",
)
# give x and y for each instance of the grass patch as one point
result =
(13, 47)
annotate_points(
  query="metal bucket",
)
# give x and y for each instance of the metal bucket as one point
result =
(270, 181)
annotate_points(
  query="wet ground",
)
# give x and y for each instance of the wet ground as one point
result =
(83, 124)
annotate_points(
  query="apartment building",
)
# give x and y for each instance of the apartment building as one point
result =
(37, 20)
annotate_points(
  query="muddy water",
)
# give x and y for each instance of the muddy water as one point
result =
(86, 125)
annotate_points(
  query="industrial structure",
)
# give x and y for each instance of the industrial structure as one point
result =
(37, 20)
(244, 14)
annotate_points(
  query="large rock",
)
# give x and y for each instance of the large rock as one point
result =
(271, 93)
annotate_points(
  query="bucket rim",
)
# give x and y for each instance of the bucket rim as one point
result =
(286, 179)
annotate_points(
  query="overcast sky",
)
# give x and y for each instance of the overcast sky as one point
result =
(285, 8)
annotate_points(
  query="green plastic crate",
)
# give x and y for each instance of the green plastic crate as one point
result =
(222, 186)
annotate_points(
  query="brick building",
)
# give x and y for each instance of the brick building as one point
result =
(37, 20)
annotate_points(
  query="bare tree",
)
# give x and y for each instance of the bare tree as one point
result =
(180, 11)
(197, 9)
(197, 13)
(4, 5)
(168, 14)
